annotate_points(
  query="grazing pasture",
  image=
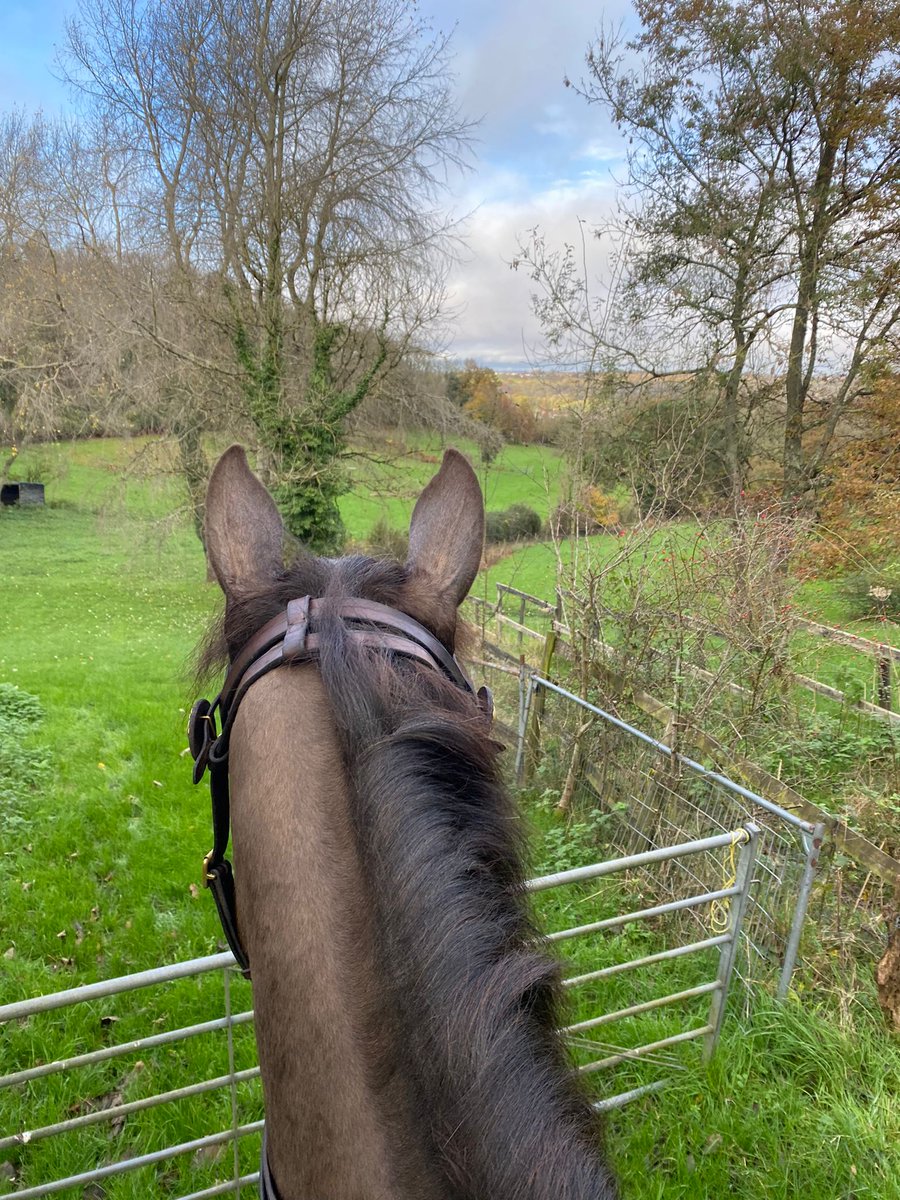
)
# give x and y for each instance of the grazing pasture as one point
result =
(101, 836)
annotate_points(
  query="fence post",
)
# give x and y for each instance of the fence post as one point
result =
(728, 950)
(533, 731)
(808, 879)
(883, 674)
(524, 713)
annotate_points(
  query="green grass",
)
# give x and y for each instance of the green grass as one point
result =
(791, 1105)
(103, 596)
(102, 603)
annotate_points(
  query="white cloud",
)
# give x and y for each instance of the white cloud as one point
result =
(559, 128)
(543, 160)
(544, 154)
(599, 151)
(495, 323)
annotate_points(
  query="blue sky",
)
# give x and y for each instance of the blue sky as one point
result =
(543, 156)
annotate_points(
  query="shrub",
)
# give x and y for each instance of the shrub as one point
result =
(41, 463)
(19, 710)
(593, 511)
(513, 524)
(386, 542)
(23, 767)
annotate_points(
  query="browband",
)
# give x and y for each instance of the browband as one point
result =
(288, 639)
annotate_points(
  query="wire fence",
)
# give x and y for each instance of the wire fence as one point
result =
(646, 797)
(643, 793)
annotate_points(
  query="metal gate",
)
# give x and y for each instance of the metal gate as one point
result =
(41, 1172)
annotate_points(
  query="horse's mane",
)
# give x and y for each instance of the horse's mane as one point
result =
(477, 1004)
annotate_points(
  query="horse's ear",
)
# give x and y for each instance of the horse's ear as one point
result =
(446, 533)
(244, 533)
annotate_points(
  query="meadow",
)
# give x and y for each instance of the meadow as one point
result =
(102, 600)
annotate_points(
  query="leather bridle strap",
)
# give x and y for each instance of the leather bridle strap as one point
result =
(284, 640)
(267, 1188)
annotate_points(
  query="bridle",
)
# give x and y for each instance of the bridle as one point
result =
(291, 638)
(284, 640)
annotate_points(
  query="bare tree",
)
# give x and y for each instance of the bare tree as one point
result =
(290, 157)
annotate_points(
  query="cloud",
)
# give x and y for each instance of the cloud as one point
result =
(544, 156)
(495, 322)
(600, 151)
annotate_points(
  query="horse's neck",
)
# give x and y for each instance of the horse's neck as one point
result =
(339, 1119)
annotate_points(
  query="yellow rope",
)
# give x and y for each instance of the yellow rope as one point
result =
(718, 909)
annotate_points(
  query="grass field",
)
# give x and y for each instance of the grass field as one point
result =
(102, 598)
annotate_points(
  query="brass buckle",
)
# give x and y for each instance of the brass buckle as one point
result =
(209, 877)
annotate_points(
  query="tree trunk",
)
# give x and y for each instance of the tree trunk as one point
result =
(731, 422)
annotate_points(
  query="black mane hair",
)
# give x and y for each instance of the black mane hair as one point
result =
(477, 1004)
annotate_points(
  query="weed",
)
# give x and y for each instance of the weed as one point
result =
(24, 767)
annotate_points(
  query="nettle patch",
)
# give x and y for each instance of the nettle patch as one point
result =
(24, 765)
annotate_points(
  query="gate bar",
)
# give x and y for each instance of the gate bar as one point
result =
(141, 1160)
(222, 1189)
(730, 784)
(808, 879)
(113, 987)
(728, 954)
(647, 960)
(642, 914)
(661, 854)
(702, 989)
(639, 1051)
(624, 1098)
(146, 1043)
(26, 1137)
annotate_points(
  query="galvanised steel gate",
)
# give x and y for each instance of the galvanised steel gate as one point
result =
(736, 851)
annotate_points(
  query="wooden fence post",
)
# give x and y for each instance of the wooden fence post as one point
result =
(883, 672)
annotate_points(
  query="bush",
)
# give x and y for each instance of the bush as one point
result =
(569, 519)
(386, 542)
(592, 512)
(19, 710)
(514, 524)
(42, 463)
(24, 767)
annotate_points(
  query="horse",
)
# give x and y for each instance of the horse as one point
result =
(406, 1014)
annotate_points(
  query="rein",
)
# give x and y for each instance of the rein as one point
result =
(284, 640)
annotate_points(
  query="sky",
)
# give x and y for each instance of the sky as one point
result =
(543, 157)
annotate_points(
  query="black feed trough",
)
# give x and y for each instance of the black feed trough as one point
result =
(22, 493)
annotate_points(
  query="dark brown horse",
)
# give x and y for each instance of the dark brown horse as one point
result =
(404, 1016)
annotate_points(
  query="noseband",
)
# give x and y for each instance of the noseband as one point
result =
(284, 640)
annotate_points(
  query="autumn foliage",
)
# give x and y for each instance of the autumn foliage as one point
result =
(860, 509)
(482, 395)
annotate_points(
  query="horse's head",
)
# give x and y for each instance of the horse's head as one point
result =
(245, 541)
(406, 1022)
